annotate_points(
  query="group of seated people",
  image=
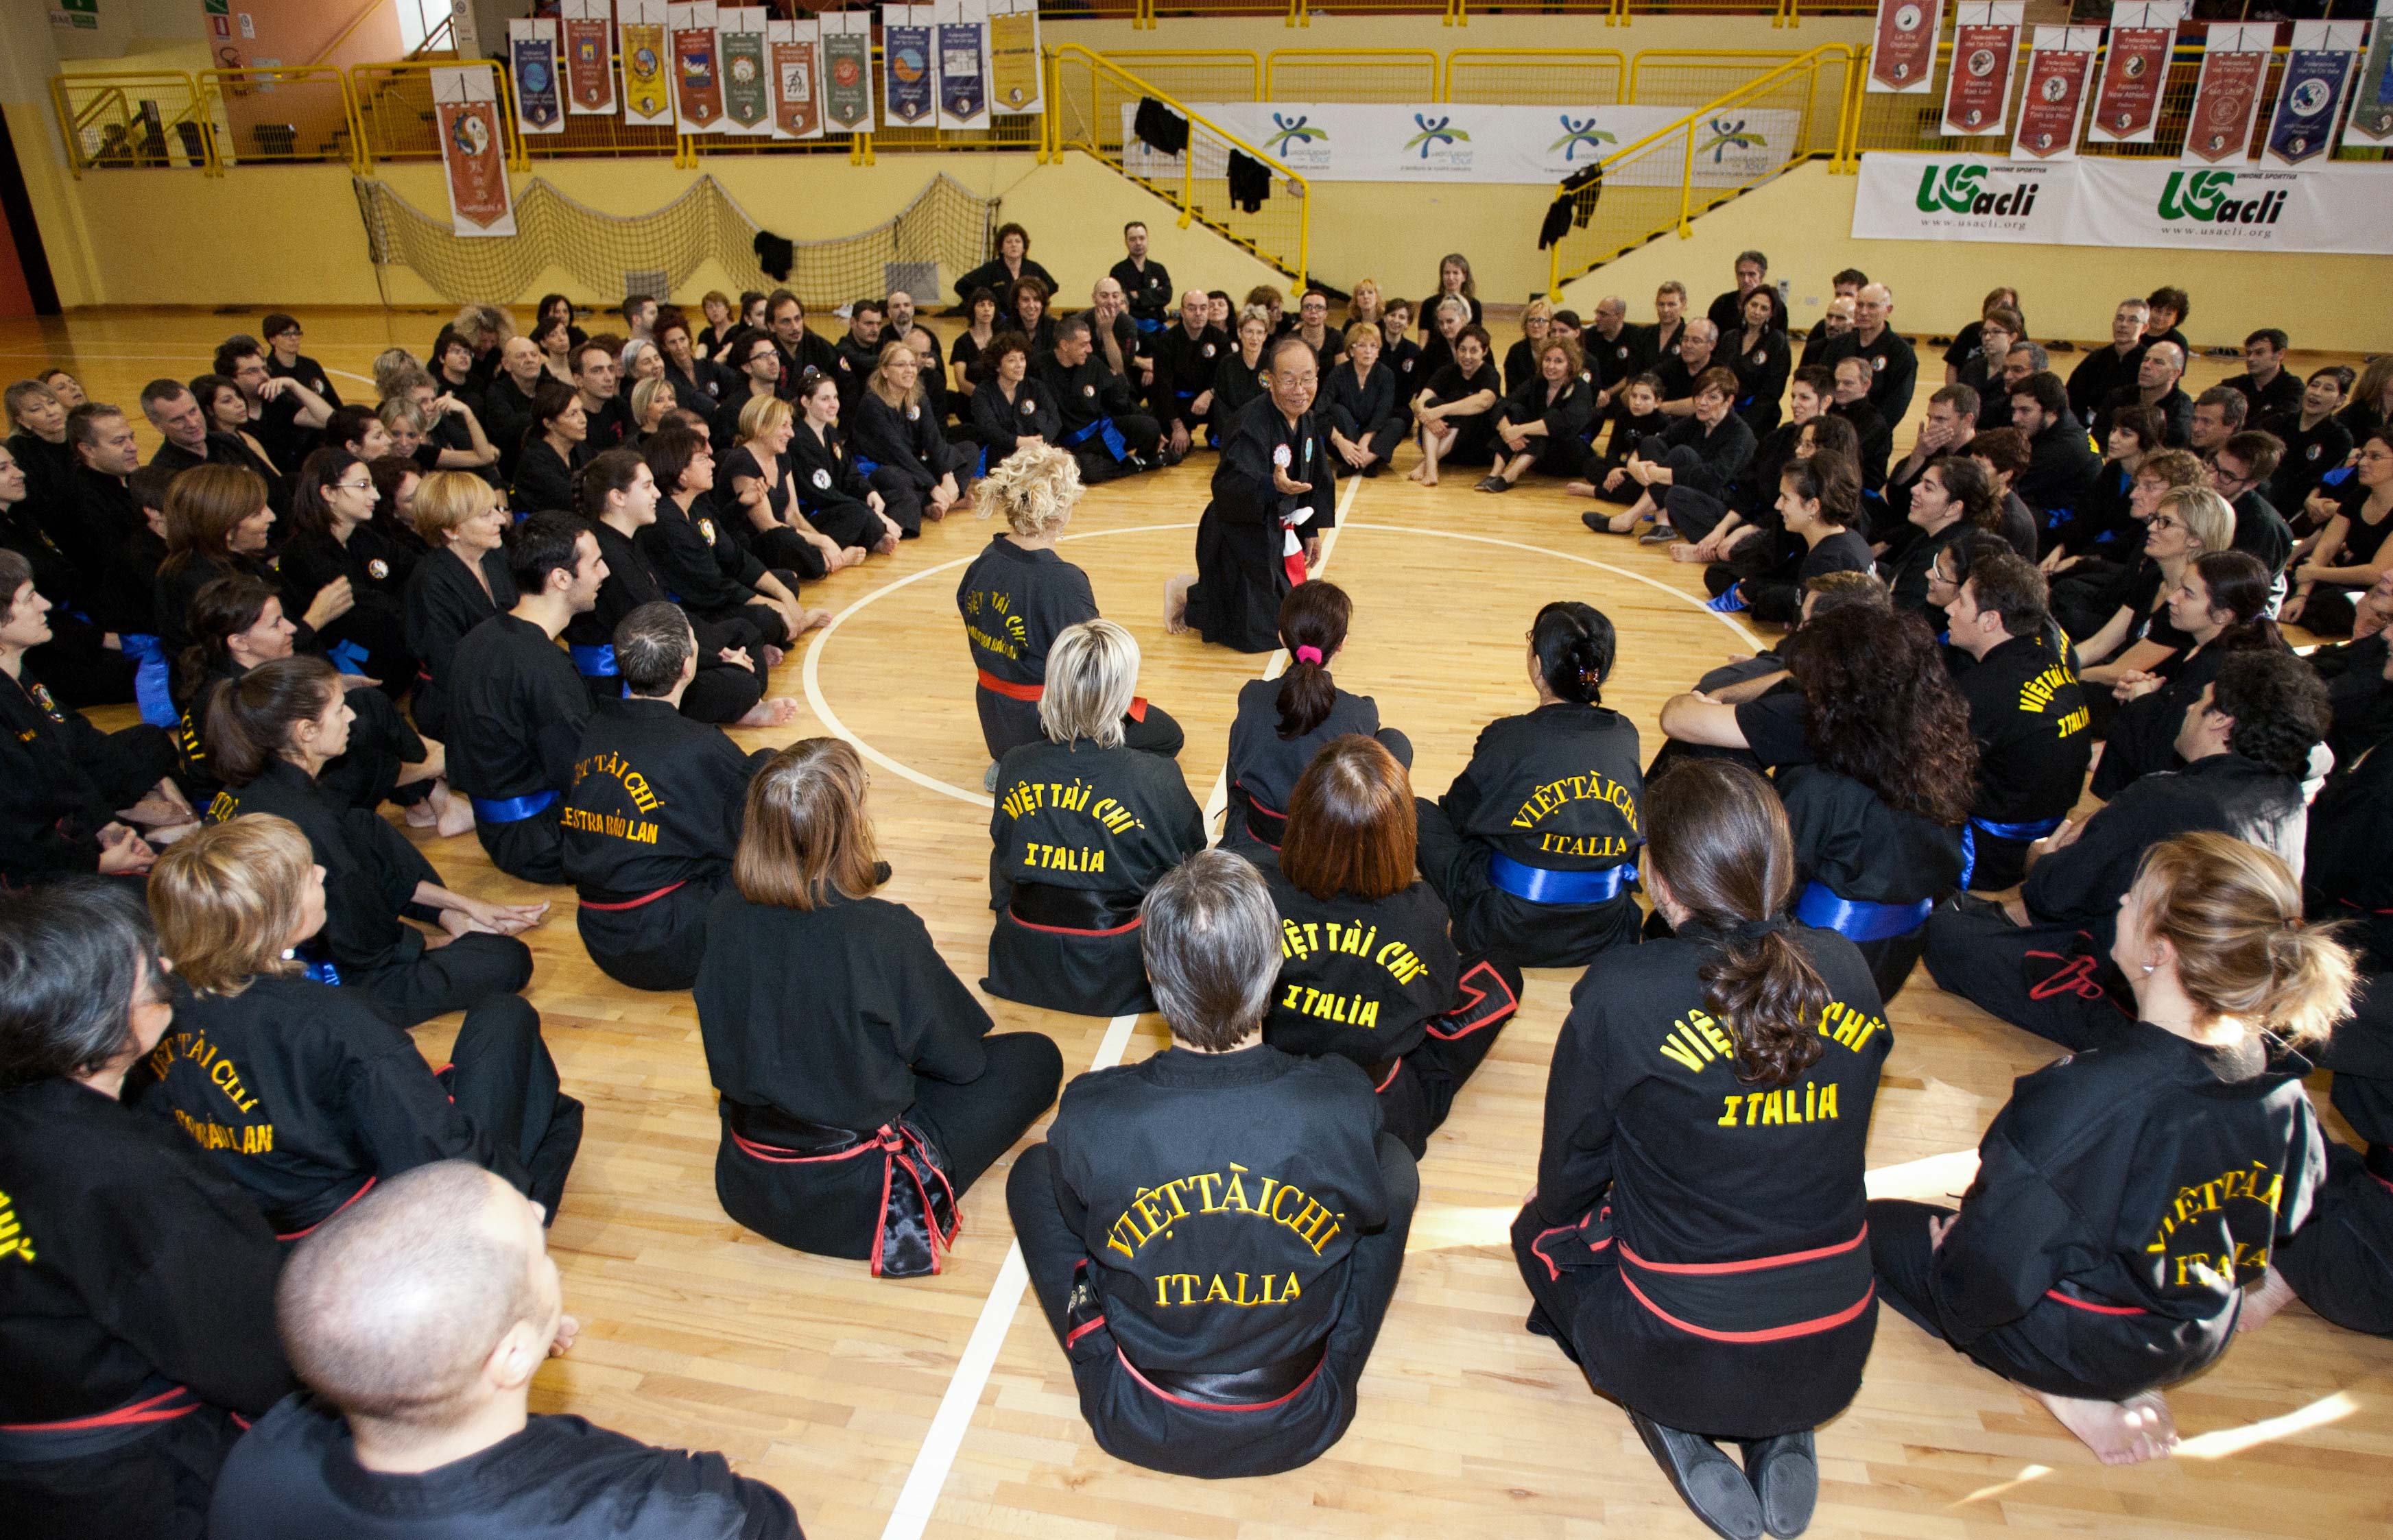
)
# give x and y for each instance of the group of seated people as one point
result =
(326, 1286)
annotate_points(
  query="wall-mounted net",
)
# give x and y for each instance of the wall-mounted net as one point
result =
(945, 224)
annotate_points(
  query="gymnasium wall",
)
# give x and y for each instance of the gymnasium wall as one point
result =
(1802, 220)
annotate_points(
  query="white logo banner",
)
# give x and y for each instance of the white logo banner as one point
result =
(1461, 143)
(2105, 201)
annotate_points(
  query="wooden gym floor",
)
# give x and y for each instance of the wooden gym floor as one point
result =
(944, 1405)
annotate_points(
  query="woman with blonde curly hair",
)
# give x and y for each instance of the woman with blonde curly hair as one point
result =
(2130, 1198)
(1019, 595)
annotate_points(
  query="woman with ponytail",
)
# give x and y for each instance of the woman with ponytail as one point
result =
(1697, 1239)
(1416, 1017)
(270, 733)
(617, 494)
(1020, 595)
(2128, 1196)
(2218, 605)
(1283, 724)
(1535, 845)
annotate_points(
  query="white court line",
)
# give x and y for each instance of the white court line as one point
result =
(80, 355)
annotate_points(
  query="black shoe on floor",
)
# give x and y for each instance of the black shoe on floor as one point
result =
(1494, 484)
(1784, 1473)
(1706, 1480)
(1598, 522)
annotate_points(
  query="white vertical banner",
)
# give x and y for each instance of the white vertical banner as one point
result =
(1016, 83)
(589, 56)
(697, 68)
(473, 150)
(1978, 86)
(848, 71)
(1903, 44)
(647, 73)
(2227, 98)
(533, 62)
(746, 65)
(959, 43)
(2052, 103)
(795, 51)
(2136, 69)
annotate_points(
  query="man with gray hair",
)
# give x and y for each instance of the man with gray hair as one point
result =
(1218, 1228)
(417, 1316)
(1102, 427)
(2155, 385)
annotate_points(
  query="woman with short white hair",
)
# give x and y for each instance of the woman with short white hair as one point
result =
(1084, 825)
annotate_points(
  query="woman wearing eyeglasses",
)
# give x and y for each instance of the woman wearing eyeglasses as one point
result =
(2184, 522)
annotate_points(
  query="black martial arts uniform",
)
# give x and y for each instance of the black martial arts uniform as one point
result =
(1378, 982)
(1727, 312)
(2341, 1261)
(1014, 603)
(296, 1476)
(852, 364)
(370, 875)
(776, 542)
(1474, 437)
(1568, 416)
(1762, 372)
(901, 454)
(1535, 845)
(1705, 463)
(62, 780)
(1894, 373)
(1250, 539)
(1404, 357)
(79, 666)
(994, 276)
(372, 638)
(1184, 369)
(2143, 732)
(1080, 834)
(1776, 595)
(831, 488)
(136, 1309)
(1876, 441)
(2125, 1199)
(2345, 874)
(1265, 767)
(1235, 383)
(1629, 433)
(1370, 412)
(2061, 465)
(651, 827)
(443, 604)
(2309, 454)
(507, 417)
(2098, 374)
(520, 709)
(544, 479)
(47, 467)
(1147, 286)
(2175, 409)
(306, 1096)
(1215, 1239)
(1866, 870)
(1821, 348)
(2034, 739)
(96, 524)
(707, 572)
(1001, 425)
(2054, 977)
(721, 692)
(382, 745)
(861, 1090)
(1101, 422)
(1697, 1239)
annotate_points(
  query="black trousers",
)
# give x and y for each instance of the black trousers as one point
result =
(1134, 1423)
(833, 1209)
(2055, 1348)
(2340, 1262)
(155, 1488)
(531, 848)
(901, 499)
(501, 1077)
(658, 945)
(2045, 979)
(720, 692)
(468, 970)
(79, 670)
(1416, 1098)
(1141, 434)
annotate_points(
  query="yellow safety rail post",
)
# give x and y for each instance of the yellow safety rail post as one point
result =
(110, 104)
(286, 113)
(1617, 14)
(1537, 77)
(1648, 189)
(1351, 74)
(1458, 14)
(1090, 98)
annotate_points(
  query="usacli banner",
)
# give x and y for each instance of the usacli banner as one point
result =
(2106, 202)
(1458, 142)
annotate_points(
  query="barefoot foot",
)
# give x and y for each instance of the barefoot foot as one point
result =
(1622, 523)
(455, 814)
(770, 712)
(2261, 1304)
(812, 619)
(1175, 603)
(2120, 1432)
(1580, 489)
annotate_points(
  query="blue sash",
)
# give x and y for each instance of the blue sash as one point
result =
(150, 682)
(2036, 830)
(347, 657)
(1102, 427)
(596, 663)
(323, 972)
(512, 810)
(863, 466)
(1858, 921)
(1148, 326)
(1544, 885)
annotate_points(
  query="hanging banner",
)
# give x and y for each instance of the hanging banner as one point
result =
(531, 57)
(647, 96)
(697, 68)
(2318, 69)
(1903, 46)
(964, 63)
(1978, 86)
(2053, 103)
(797, 78)
(847, 69)
(2118, 201)
(2372, 98)
(465, 98)
(906, 50)
(747, 91)
(2227, 98)
(2135, 69)
(1014, 56)
(589, 55)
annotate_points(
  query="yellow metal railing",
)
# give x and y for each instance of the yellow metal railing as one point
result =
(125, 118)
(1714, 153)
(1090, 103)
(1351, 74)
(1537, 77)
(267, 115)
(1197, 74)
(395, 117)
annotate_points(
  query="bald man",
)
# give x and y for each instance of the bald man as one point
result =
(2157, 374)
(417, 1316)
(1894, 368)
(1187, 355)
